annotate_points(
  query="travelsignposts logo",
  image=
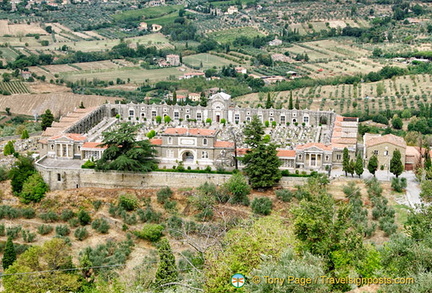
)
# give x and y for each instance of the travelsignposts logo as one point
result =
(238, 280)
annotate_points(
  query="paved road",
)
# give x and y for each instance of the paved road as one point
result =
(412, 196)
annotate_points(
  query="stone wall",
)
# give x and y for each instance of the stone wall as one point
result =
(60, 179)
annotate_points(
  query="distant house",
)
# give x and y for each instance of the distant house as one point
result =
(192, 74)
(232, 10)
(272, 79)
(156, 3)
(383, 147)
(241, 70)
(173, 60)
(26, 74)
(275, 42)
(292, 74)
(143, 26)
(195, 97)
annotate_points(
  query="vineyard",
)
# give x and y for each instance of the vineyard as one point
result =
(14, 87)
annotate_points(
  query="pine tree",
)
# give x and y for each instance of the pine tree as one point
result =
(290, 104)
(373, 165)
(345, 161)
(167, 270)
(359, 166)
(262, 163)
(269, 102)
(396, 166)
(47, 119)
(9, 255)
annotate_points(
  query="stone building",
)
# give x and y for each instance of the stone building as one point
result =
(173, 59)
(383, 147)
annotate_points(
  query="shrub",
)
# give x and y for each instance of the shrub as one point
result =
(28, 213)
(28, 236)
(164, 194)
(149, 215)
(284, 195)
(73, 222)
(84, 217)
(262, 205)
(62, 230)
(45, 229)
(175, 225)
(170, 205)
(2, 230)
(49, 217)
(9, 212)
(67, 214)
(150, 232)
(100, 225)
(89, 164)
(129, 219)
(239, 188)
(97, 204)
(128, 202)
(13, 232)
(81, 233)
(34, 189)
(398, 184)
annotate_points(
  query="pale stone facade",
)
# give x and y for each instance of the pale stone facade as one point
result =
(383, 148)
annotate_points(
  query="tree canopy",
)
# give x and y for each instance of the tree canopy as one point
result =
(124, 152)
(47, 119)
(396, 166)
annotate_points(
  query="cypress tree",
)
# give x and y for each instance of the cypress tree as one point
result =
(297, 104)
(9, 256)
(359, 166)
(167, 270)
(396, 166)
(174, 100)
(290, 104)
(373, 165)
(269, 103)
(345, 161)
(25, 134)
(47, 119)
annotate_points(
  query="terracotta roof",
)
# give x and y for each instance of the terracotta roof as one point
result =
(412, 151)
(388, 138)
(315, 144)
(241, 152)
(156, 141)
(223, 144)
(286, 153)
(93, 145)
(73, 136)
(190, 131)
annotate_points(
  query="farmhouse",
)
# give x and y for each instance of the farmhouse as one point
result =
(275, 42)
(383, 147)
(173, 59)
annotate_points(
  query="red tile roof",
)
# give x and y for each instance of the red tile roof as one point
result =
(190, 131)
(388, 138)
(224, 144)
(286, 153)
(73, 136)
(93, 145)
(156, 141)
(315, 144)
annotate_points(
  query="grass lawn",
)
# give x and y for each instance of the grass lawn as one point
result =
(163, 20)
(146, 13)
(135, 74)
(227, 36)
(208, 60)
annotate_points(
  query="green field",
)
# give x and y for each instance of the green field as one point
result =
(146, 13)
(8, 54)
(136, 75)
(227, 36)
(207, 60)
(163, 20)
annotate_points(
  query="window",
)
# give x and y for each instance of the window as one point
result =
(204, 155)
(153, 114)
(376, 152)
(306, 119)
(131, 112)
(187, 110)
(236, 118)
(300, 157)
(142, 109)
(294, 114)
(169, 140)
(282, 119)
(187, 116)
(248, 119)
(386, 153)
(271, 119)
(165, 109)
(142, 115)
(327, 158)
(271, 113)
(338, 157)
(176, 115)
(204, 141)
(52, 147)
(58, 177)
(198, 116)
